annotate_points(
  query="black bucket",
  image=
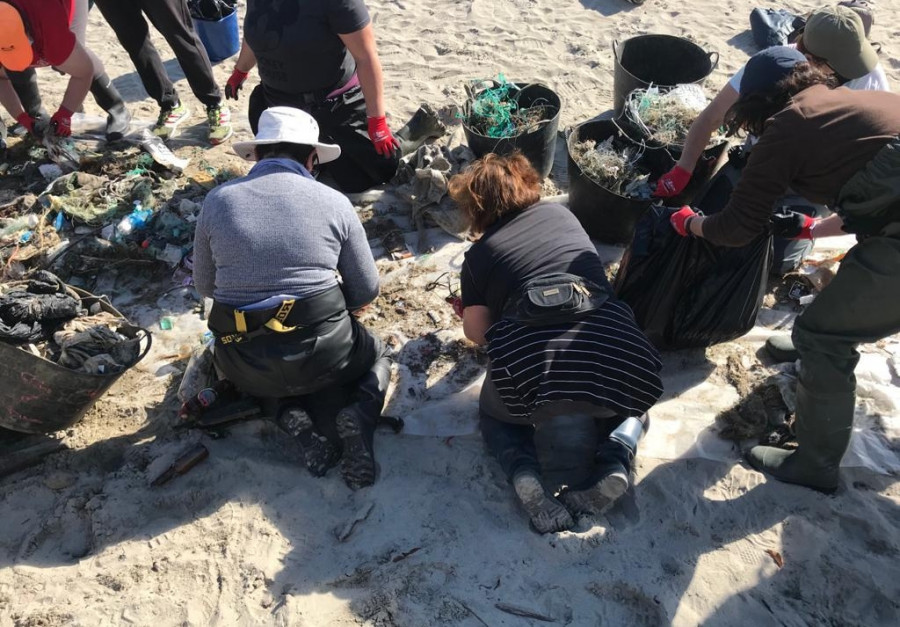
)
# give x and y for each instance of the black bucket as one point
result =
(662, 158)
(538, 146)
(661, 60)
(605, 215)
(39, 396)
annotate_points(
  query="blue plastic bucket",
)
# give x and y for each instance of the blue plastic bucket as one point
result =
(220, 37)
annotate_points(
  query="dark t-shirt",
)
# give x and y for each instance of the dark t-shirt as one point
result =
(47, 22)
(543, 239)
(297, 46)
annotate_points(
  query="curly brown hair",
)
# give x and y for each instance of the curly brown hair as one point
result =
(495, 186)
(751, 112)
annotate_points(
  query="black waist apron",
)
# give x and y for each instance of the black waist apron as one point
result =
(314, 345)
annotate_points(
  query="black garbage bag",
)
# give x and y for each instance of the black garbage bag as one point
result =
(687, 292)
(774, 27)
(211, 10)
(31, 311)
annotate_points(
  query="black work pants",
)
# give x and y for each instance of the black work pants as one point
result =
(341, 121)
(173, 20)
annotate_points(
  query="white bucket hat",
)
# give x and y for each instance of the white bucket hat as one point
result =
(289, 125)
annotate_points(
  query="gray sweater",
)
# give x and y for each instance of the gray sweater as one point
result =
(276, 232)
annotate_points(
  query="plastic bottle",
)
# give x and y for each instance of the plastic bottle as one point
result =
(134, 221)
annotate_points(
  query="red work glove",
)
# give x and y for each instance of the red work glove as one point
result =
(61, 122)
(380, 134)
(234, 84)
(27, 121)
(456, 303)
(679, 220)
(672, 182)
(792, 225)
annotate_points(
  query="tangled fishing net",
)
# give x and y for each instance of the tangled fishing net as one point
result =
(665, 118)
(494, 111)
(611, 168)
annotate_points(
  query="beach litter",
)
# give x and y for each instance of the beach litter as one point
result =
(492, 109)
(665, 118)
(613, 169)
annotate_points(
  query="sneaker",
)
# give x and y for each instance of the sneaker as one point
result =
(169, 119)
(220, 128)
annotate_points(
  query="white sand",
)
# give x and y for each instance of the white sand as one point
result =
(249, 538)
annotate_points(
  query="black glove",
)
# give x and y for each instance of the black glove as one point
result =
(737, 156)
(791, 224)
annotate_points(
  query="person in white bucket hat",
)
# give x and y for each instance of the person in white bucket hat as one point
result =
(278, 125)
(268, 249)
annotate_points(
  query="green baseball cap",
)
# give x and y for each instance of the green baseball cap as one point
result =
(837, 35)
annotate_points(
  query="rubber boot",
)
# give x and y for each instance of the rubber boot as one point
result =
(781, 348)
(356, 426)
(318, 453)
(612, 475)
(26, 87)
(546, 513)
(822, 426)
(118, 120)
(423, 125)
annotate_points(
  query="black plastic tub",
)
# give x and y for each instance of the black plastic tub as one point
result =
(661, 60)
(538, 145)
(605, 215)
(662, 158)
(40, 396)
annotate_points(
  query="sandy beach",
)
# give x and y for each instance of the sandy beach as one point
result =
(250, 538)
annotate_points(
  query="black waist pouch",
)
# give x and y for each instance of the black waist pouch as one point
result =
(555, 298)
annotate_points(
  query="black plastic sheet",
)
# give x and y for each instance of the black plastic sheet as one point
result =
(686, 292)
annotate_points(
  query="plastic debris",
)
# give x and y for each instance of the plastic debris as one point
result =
(612, 169)
(155, 147)
(666, 117)
(494, 111)
(166, 323)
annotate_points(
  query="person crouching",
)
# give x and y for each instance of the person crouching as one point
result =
(268, 249)
(535, 293)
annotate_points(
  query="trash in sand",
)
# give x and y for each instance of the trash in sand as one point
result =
(776, 557)
(166, 323)
(492, 109)
(665, 118)
(160, 152)
(62, 152)
(613, 169)
(182, 465)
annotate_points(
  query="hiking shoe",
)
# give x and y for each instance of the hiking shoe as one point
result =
(358, 460)
(610, 482)
(220, 129)
(782, 348)
(318, 453)
(169, 119)
(546, 513)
